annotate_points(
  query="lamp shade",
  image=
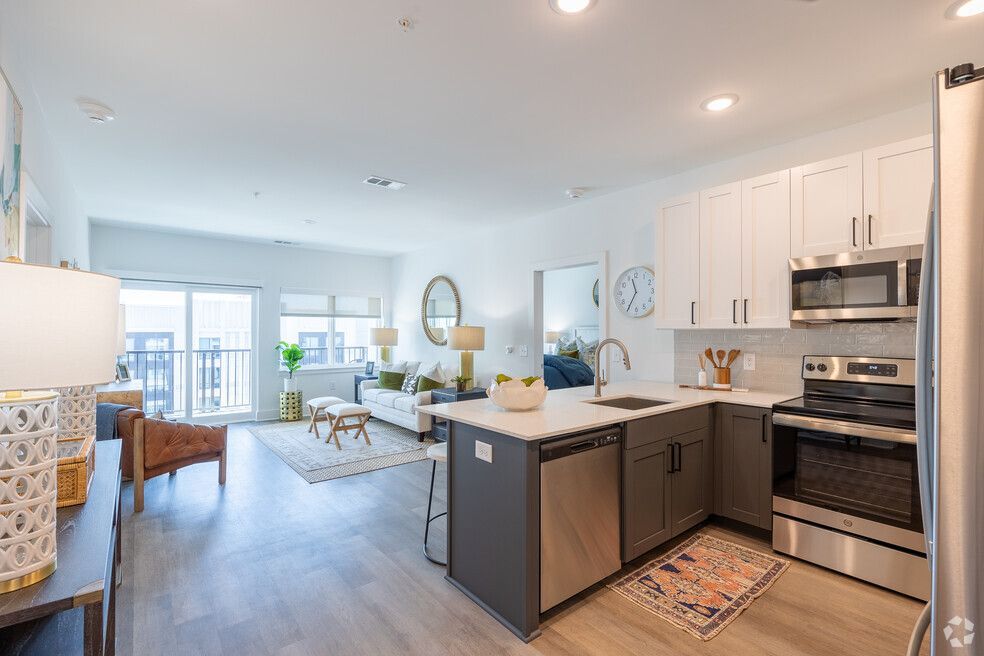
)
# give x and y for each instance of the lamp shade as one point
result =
(58, 327)
(551, 336)
(466, 338)
(383, 336)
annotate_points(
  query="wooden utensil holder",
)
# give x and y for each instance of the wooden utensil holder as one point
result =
(722, 377)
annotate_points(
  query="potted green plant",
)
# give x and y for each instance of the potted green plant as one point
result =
(460, 384)
(290, 357)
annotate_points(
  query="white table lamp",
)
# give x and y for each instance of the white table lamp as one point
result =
(57, 329)
(384, 338)
(552, 337)
(466, 339)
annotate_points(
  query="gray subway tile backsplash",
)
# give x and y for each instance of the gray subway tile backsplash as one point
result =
(779, 353)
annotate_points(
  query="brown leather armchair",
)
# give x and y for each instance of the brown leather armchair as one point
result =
(152, 447)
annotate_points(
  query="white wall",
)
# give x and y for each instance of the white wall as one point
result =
(492, 268)
(41, 161)
(567, 302)
(203, 259)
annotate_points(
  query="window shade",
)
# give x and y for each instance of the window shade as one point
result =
(314, 304)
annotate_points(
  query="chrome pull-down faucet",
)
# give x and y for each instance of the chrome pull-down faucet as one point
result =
(599, 379)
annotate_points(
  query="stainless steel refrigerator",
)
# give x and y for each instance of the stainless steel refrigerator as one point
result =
(950, 370)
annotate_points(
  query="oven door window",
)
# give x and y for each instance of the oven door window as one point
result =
(845, 287)
(874, 479)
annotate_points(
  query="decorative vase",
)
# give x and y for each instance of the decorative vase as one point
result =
(461, 386)
(517, 396)
(290, 385)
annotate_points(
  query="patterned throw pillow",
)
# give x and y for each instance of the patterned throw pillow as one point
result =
(564, 344)
(586, 351)
(410, 385)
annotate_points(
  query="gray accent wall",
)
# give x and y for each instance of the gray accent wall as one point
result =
(779, 353)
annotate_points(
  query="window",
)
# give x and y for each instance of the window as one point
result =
(332, 330)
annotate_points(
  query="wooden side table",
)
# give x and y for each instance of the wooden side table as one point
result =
(358, 386)
(439, 427)
(291, 405)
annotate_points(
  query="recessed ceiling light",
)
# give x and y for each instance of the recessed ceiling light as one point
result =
(310, 221)
(568, 7)
(94, 111)
(965, 9)
(719, 103)
(575, 192)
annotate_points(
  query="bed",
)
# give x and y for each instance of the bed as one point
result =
(561, 372)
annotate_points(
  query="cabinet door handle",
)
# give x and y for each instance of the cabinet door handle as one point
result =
(870, 242)
(693, 307)
(734, 311)
(744, 312)
(854, 230)
(672, 458)
(678, 450)
(765, 429)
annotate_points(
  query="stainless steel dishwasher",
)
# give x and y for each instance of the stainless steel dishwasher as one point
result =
(579, 513)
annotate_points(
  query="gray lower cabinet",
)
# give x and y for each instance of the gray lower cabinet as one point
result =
(645, 498)
(744, 462)
(667, 478)
(692, 482)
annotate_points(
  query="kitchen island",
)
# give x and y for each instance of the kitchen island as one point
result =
(494, 480)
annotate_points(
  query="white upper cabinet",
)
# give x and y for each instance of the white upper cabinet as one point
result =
(898, 181)
(827, 207)
(765, 212)
(720, 262)
(677, 267)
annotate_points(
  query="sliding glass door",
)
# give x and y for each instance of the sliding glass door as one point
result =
(193, 348)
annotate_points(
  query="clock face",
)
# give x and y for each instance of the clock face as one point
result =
(634, 292)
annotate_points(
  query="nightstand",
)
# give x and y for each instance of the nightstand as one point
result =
(439, 428)
(358, 387)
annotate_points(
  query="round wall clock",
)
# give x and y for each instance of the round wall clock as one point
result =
(634, 292)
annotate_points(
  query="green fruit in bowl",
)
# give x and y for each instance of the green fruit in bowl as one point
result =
(501, 378)
(530, 380)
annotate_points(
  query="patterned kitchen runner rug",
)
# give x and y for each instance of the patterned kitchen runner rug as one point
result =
(318, 461)
(702, 584)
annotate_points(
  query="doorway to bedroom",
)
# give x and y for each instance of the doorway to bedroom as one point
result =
(570, 316)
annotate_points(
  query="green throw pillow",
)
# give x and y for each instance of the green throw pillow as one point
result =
(391, 380)
(569, 354)
(425, 384)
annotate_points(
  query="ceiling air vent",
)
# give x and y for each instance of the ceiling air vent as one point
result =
(384, 182)
(284, 242)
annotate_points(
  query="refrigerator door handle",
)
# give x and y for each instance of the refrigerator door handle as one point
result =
(926, 330)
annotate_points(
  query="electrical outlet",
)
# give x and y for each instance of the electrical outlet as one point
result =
(509, 350)
(524, 351)
(483, 451)
(330, 387)
(749, 364)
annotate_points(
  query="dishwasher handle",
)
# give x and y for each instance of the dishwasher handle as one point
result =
(575, 444)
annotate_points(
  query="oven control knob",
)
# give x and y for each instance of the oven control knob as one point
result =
(809, 366)
(821, 367)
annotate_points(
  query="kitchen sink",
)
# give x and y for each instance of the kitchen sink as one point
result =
(629, 402)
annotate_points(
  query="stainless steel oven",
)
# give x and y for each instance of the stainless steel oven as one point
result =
(845, 472)
(875, 285)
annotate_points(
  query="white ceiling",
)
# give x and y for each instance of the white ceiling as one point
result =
(489, 110)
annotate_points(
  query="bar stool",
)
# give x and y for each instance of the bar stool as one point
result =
(438, 453)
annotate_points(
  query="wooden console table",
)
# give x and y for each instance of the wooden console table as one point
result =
(126, 393)
(76, 604)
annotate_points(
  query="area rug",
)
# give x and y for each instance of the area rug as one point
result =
(317, 461)
(702, 584)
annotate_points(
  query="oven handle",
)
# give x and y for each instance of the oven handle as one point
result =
(897, 435)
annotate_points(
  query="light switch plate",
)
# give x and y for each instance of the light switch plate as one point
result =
(483, 451)
(749, 364)
(524, 351)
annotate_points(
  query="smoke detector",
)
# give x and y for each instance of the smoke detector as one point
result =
(384, 182)
(575, 192)
(95, 112)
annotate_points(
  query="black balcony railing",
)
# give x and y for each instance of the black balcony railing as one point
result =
(222, 380)
(321, 355)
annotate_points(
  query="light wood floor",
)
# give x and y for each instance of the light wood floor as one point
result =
(273, 565)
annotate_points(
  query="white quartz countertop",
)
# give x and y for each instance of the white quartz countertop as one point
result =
(565, 411)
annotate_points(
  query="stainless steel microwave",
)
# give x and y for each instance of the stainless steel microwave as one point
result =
(874, 285)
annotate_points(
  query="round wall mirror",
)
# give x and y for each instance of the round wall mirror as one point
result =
(440, 309)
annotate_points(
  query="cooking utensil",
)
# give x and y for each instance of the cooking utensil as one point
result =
(721, 354)
(732, 355)
(700, 359)
(709, 354)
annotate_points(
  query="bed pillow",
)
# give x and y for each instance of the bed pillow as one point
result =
(586, 351)
(568, 354)
(391, 376)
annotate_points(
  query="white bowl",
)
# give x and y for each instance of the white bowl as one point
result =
(516, 396)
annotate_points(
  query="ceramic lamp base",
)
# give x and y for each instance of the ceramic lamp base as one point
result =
(28, 492)
(466, 362)
(384, 354)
